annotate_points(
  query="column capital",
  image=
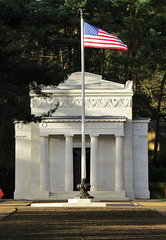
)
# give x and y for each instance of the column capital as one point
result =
(69, 135)
(44, 135)
(94, 135)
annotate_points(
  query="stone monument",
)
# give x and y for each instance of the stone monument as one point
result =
(48, 152)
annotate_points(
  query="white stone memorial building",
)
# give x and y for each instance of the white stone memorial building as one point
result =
(48, 152)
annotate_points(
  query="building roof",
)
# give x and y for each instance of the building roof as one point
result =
(92, 81)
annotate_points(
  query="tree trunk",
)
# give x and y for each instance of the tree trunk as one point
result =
(155, 156)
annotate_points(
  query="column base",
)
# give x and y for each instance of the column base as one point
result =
(31, 195)
(120, 194)
(130, 194)
(141, 193)
(98, 196)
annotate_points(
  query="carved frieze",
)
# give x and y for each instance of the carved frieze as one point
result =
(44, 125)
(76, 102)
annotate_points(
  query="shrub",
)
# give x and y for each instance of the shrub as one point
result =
(157, 190)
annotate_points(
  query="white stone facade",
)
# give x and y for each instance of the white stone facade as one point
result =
(118, 144)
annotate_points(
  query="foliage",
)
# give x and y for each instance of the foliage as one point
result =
(157, 190)
(142, 106)
(162, 160)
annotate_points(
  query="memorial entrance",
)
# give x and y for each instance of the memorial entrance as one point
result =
(77, 166)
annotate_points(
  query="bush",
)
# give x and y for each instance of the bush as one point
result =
(157, 190)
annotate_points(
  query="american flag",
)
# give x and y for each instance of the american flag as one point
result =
(98, 38)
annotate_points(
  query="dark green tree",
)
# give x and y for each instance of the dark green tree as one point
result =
(30, 52)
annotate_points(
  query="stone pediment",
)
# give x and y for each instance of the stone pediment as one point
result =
(91, 81)
(102, 97)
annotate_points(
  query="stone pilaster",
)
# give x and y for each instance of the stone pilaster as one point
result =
(69, 163)
(44, 163)
(94, 163)
(119, 164)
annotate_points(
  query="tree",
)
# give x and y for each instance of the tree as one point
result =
(26, 40)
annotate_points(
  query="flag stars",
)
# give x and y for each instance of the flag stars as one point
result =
(90, 30)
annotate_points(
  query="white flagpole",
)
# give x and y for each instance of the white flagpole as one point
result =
(83, 155)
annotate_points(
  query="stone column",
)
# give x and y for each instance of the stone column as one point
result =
(94, 163)
(69, 164)
(119, 164)
(43, 163)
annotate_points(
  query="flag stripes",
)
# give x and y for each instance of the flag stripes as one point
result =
(98, 38)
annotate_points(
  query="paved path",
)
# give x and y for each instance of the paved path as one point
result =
(112, 223)
(157, 205)
(9, 206)
(18, 220)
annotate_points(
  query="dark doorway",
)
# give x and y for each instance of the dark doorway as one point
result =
(77, 166)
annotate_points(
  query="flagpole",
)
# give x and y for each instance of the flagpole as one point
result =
(84, 187)
(83, 155)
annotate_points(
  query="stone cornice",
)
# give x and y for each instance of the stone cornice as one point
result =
(88, 92)
(141, 120)
(61, 119)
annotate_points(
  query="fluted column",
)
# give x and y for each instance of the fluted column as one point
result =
(69, 164)
(94, 163)
(119, 164)
(43, 163)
